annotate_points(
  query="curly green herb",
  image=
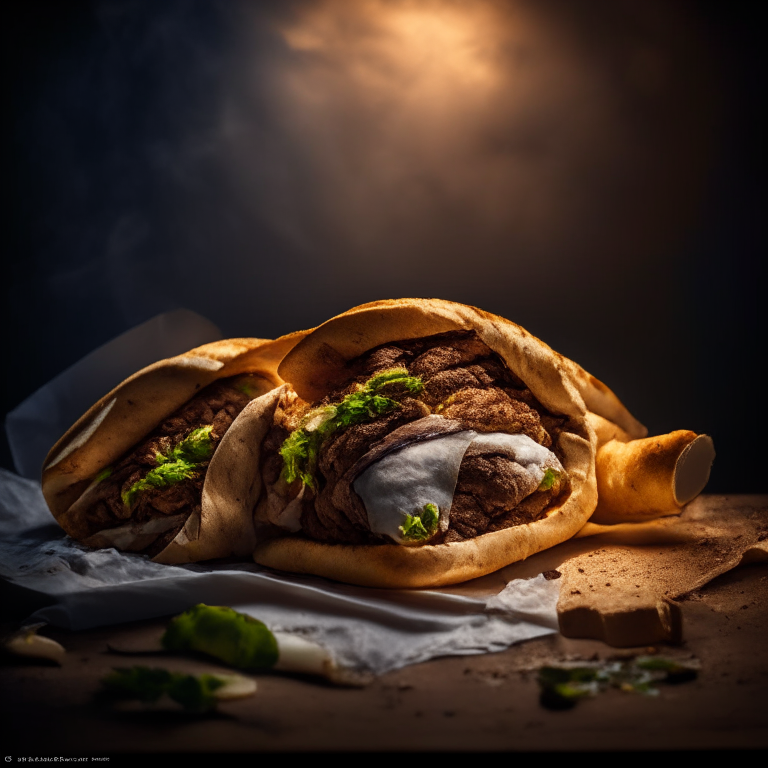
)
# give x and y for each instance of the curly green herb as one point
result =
(422, 526)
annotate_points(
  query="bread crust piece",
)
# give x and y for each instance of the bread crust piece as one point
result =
(127, 414)
(317, 365)
(640, 480)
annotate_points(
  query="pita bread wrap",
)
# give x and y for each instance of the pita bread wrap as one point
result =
(326, 364)
(179, 409)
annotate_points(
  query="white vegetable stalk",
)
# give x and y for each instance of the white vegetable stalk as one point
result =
(302, 656)
(297, 654)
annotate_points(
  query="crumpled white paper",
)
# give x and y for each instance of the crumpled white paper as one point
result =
(375, 630)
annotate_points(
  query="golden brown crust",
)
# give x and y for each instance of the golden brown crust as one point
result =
(315, 366)
(128, 413)
(644, 479)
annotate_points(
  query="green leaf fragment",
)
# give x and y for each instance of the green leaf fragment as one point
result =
(300, 451)
(194, 692)
(667, 670)
(247, 384)
(549, 479)
(221, 632)
(103, 475)
(564, 675)
(561, 688)
(655, 663)
(422, 526)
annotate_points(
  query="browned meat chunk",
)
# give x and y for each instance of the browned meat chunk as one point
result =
(493, 410)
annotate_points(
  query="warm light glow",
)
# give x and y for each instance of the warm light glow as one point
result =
(425, 59)
(432, 44)
(418, 134)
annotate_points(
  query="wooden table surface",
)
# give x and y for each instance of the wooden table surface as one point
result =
(474, 703)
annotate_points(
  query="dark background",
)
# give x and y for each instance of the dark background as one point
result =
(592, 171)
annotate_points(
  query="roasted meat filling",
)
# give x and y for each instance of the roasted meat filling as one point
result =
(163, 476)
(462, 380)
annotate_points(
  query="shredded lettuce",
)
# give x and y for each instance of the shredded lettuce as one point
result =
(176, 465)
(422, 526)
(221, 632)
(301, 449)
